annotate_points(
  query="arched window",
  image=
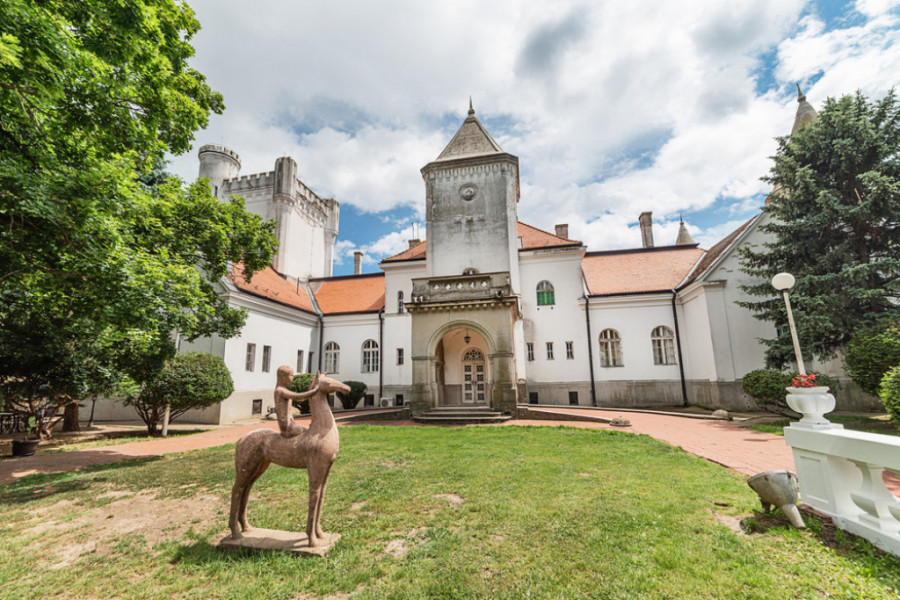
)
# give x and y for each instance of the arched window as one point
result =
(610, 348)
(370, 356)
(663, 341)
(470, 271)
(400, 302)
(332, 358)
(545, 294)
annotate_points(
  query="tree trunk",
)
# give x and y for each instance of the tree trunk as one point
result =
(70, 418)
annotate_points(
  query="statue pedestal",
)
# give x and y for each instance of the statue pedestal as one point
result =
(294, 542)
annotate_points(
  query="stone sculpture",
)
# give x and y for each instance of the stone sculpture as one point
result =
(314, 448)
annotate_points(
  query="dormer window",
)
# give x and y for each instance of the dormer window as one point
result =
(470, 271)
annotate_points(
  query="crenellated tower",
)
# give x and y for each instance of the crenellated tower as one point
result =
(307, 225)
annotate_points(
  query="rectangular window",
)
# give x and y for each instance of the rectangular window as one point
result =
(573, 398)
(369, 400)
(267, 358)
(256, 407)
(399, 356)
(300, 361)
(251, 357)
(530, 348)
(532, 398)
(570, 350)
(398, 400)
(309, 367)
(549, 350)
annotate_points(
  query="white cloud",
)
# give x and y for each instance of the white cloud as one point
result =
(613, 108)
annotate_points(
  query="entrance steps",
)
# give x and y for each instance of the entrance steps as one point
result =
(461, 415)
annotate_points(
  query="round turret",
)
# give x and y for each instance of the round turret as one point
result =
(218, 163)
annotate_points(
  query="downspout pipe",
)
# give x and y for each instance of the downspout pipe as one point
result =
(587, 318)
(380, 354)
(321, 341)
(684, 396)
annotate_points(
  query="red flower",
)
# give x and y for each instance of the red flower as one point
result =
(804, 380)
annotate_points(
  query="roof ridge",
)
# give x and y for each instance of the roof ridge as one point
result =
(355, 275)
(693, 246)
(547, 232)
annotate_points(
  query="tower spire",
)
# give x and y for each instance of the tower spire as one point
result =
(805, 111)
(471, 110)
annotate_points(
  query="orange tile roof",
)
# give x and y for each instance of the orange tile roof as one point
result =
(638, 271)
(532, 237)
(417, 252)
(269, 284)
(713, 253)
(349, 294)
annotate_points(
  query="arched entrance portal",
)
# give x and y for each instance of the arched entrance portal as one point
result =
(462, 371)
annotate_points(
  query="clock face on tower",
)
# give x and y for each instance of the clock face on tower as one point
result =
(467, 191)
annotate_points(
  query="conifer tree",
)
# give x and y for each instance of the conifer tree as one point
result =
(833, 220)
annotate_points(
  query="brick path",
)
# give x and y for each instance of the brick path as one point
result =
(746, 451)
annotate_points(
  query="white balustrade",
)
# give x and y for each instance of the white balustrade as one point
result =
(840, 475)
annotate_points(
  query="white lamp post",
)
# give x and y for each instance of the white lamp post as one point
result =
(783, 282)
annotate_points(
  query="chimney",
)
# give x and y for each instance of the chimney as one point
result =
(414, 242)
(357, 262)
(562, 230)
(646, 221)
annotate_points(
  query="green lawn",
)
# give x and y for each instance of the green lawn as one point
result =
(855, 423)
(501, 512)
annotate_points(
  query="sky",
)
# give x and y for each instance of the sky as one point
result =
(613, 108)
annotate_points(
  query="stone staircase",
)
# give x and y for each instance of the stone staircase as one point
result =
(461, 415)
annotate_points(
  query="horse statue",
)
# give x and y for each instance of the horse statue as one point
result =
(314, 448)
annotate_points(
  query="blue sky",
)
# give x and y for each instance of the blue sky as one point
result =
(612, 108)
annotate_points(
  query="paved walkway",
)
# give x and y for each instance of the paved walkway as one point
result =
(746, 451)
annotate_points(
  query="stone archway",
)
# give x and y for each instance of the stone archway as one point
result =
(461, 368)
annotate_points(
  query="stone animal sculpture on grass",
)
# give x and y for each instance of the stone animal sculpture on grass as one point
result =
(314, 448)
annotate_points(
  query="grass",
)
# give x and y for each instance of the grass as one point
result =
(544, 513)
(856, 423)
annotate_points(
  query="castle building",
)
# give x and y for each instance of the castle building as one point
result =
(487, 310)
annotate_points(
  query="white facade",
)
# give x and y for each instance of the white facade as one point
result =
(479, 287)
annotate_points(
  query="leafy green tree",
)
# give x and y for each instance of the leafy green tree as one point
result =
(834, 225)
(889, 393)
(872, 353)
(93, 93)
(300, 383)
(188, 380)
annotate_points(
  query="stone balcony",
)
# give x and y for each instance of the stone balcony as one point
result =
(480, 288)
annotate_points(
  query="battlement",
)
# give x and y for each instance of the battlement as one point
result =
(220, 150)
(258, 181)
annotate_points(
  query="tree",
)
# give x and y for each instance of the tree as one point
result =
(92, 95)
(872, 353)
(188, 380)
(833, 220)
(356, 393)
(300, 383)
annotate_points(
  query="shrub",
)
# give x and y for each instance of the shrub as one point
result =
(889, 393)
(301, 383)
(351, 399)
(872, 353)
(767, 387)
(188, 380)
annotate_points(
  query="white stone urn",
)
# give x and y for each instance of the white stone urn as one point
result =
(812, 403)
